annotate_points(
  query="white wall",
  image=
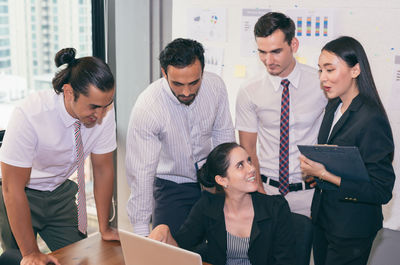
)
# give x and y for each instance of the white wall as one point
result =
(374, 23)
(136, 32)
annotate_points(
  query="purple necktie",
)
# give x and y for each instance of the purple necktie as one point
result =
(284, 140)
(82, 218)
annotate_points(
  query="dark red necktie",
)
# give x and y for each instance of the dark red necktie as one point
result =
(284, 140)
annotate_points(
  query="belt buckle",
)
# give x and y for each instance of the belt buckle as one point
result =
(296, 186)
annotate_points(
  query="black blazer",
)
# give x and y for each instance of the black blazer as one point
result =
(271, 239)
(354, 210)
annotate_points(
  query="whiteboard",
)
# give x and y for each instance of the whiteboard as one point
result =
(374, 23)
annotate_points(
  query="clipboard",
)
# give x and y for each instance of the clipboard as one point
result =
(343, 161)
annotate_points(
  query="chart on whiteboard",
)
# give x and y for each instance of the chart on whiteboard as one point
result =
(314, 25)
(206, 24)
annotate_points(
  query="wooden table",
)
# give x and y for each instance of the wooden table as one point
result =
(92, 251)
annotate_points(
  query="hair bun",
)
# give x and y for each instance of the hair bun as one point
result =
(203, 176)
(63, 56)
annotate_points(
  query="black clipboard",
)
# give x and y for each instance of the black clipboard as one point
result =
(343, 161)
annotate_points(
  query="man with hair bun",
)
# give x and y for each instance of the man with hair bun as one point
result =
(174, 124)
(47, 139)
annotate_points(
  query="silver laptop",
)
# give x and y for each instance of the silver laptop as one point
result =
(140, 250)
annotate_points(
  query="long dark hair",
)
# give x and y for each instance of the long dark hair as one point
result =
(81, 72)
(217, 163)
(352, 52)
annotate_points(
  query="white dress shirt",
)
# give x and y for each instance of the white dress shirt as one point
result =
(167, 138)
(258, 110)
(40, 135)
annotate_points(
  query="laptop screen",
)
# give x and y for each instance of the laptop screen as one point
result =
(139, 250)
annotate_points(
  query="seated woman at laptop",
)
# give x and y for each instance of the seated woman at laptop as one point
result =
(347, 218)
(240, 225)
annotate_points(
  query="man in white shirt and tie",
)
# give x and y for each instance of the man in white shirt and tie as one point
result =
(275, 112)
(47, 139)
(175, 123)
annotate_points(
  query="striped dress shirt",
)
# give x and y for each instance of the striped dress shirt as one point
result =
(166, 138)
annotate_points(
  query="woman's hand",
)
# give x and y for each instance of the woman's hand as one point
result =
(312, 168)
(162, 233)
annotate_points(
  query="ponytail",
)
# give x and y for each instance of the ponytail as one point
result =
(81, 73)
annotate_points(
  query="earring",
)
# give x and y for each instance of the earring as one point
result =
(225, 186)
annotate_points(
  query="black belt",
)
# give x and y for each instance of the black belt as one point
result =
(292, 186)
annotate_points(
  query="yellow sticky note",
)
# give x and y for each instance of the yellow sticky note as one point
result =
(302, 60)
(240, 70)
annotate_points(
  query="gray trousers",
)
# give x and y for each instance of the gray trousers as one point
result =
(54, 217)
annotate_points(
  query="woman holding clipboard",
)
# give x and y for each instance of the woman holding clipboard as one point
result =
(347, 219)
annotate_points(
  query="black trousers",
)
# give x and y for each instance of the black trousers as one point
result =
(332, 250)
(173, 202)
(10, 257)
(303, 228)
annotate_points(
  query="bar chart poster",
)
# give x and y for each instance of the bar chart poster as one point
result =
(313, 25)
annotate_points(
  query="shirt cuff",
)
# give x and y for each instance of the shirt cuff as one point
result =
(141, 229)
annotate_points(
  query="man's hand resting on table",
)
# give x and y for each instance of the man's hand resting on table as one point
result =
(110, 234)
(37, 258)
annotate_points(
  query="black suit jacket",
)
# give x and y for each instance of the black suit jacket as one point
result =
(271, 238)
(354, 210)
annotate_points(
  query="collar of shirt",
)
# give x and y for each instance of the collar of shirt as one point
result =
(293, 77)
(65, 117)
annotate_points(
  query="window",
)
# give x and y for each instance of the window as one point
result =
(5, 64)
(4, 42)
(5, 53)
(4, 31)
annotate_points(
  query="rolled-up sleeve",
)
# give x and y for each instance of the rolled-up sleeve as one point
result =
(142, 156)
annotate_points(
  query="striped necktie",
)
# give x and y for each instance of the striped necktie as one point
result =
(284, 140)
(82, 218)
